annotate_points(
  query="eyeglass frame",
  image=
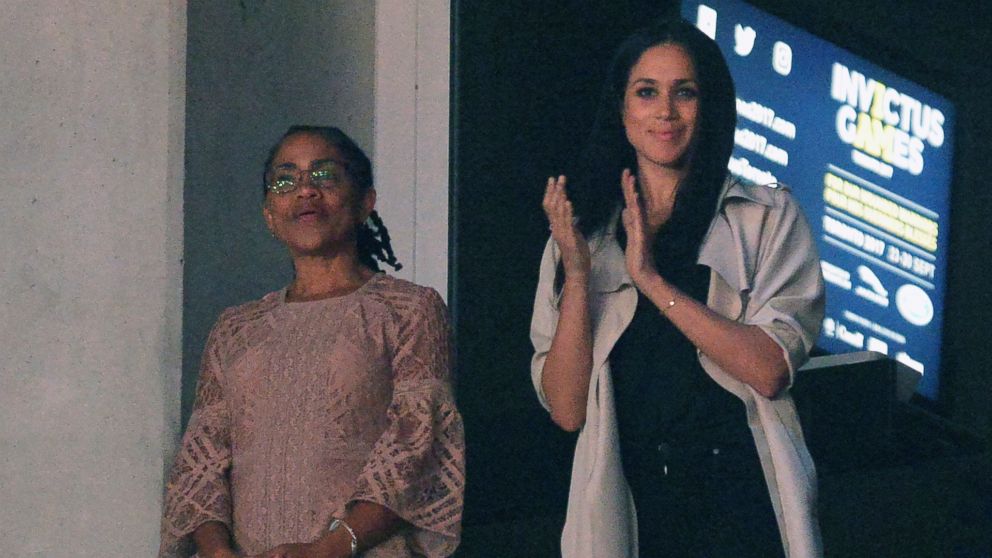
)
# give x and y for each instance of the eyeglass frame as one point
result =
(300, 173)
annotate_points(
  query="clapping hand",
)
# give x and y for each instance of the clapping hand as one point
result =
(572, 244)
(639, 256)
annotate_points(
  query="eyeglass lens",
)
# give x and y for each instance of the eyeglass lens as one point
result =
(324, 176)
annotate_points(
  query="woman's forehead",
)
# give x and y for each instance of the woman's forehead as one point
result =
(303, 149)
(668, 61)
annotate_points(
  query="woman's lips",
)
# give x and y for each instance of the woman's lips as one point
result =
(308, 217)
(308, 214)
(664, 135)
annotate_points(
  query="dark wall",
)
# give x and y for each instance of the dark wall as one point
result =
(525, 75)
(315, 66)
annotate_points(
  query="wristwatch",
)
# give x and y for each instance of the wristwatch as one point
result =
(354, 538)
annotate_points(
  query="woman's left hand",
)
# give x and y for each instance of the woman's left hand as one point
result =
(640, 259)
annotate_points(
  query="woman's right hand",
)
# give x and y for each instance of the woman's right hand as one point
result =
(567, 365)
(572, 244)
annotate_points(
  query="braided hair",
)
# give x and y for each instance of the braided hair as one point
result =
(372, 237)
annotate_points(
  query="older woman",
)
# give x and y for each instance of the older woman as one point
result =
(324, 422)
(674, 304)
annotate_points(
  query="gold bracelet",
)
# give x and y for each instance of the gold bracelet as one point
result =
(668, 306)
(354, 538)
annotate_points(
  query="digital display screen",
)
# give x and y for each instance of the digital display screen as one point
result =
(868, 155)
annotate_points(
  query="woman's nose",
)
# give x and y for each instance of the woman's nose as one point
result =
(666, 109)
(306, 189)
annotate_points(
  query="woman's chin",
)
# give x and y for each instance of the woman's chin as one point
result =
(313, 247)
(668, 159)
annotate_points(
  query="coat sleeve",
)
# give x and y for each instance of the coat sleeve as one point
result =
(787, 296)
(417, 466)
(544, 319)
(198, 490)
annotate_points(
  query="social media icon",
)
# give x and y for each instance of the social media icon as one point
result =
(743, 39)
(706, 20)
(782, 58)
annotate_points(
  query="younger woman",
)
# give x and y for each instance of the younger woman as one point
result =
(673, 307)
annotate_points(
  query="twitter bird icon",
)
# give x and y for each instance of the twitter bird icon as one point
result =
(743, 39)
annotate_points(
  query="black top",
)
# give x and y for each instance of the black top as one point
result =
(663, 396)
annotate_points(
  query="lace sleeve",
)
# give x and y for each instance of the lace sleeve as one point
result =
(417, 467)
(197, 490)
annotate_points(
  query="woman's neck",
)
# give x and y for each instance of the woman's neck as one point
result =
(658, 187)
(326, 276)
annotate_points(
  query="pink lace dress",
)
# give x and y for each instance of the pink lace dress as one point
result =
(304, 407)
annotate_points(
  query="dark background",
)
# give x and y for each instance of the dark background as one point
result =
(525, 76)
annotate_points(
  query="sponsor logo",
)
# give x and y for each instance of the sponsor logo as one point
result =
(914, 305)
(872, 289)
(833, 329)
(855, 339)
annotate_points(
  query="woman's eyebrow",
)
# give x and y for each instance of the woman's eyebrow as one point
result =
(647, 81)
(315, 162)
(650, 81)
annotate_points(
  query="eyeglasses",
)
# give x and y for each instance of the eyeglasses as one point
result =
(324, 175)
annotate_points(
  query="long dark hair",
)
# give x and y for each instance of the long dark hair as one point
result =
(372, 236)
(594, 186)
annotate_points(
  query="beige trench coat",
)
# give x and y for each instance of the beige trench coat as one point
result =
(764, 271)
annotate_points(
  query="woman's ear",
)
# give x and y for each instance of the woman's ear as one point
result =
(368, 204)
(267, 214)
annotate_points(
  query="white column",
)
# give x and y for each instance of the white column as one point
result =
(92, 111)
(411, 133)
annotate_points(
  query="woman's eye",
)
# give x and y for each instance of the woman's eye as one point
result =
(324, 177)
(646, 92)
(687, 93)
(283, 179)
